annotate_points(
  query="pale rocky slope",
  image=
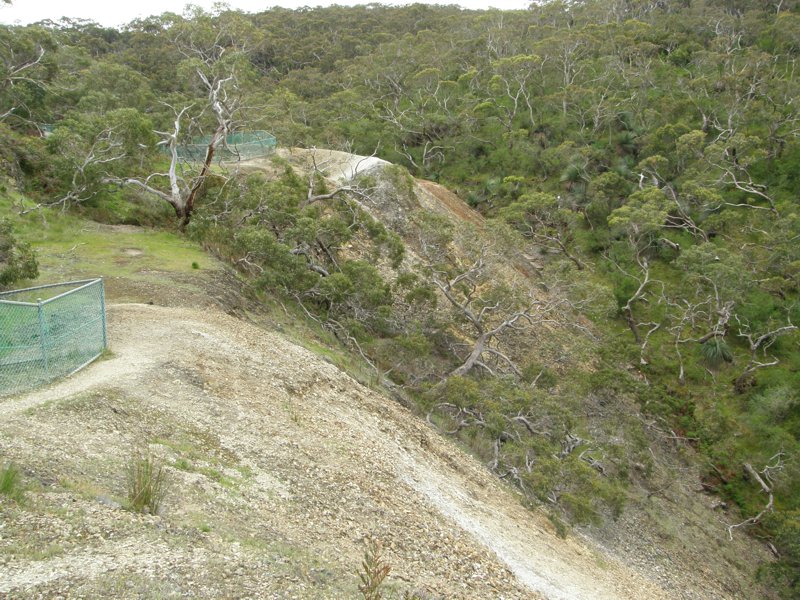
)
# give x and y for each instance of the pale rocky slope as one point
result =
(281, 466)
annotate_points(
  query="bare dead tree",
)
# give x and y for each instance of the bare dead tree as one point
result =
(106, 149)
(764, 479)
(552, 235)
(183, 190)
(709, 314)
(644, 281)
(733, 170)
(680, 218)
(461, 416)
(510, 79)
(758, 344)
(569, 444)
(488, 318)
(215, 66)
(430, 152)
(179, 188)
(354, 190)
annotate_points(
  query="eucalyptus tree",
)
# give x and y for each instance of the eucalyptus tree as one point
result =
(215, 72)
(27, 65)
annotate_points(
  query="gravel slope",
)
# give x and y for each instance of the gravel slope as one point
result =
(281, 466)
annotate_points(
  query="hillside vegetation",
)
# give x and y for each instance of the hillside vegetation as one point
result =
(611, 325)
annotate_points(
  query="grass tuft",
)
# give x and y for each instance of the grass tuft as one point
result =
(716, 352)
(11, 483)
(147, 485)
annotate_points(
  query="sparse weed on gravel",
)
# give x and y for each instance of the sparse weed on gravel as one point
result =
(373, 574)
(147, 484)
(11, 483)
(373, 571)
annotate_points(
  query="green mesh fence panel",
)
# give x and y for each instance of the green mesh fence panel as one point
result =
(49, 331)
(238, 146)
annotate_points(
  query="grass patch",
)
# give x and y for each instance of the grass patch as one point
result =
(49, 551)
(31, 550)
(11, 483)
(147, 485)
(127, 585)
(195, 459)
(71, 247)
(219, 477)
(183, 465)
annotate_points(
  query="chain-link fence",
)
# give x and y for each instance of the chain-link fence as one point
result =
(237, 146)
(49, 331)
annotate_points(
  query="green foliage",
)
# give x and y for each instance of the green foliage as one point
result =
(415, 290)
(660, 133)
(715, 266)
(27, 65)
(17, 259)
(553, 469)
(784, 571)
(607, 191)
(716, 352)
(642, 216)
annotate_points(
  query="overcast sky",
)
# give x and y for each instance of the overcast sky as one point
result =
(113, 13)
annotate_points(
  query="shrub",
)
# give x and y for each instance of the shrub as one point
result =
(715, 352)
(17, 259)
(147, 485)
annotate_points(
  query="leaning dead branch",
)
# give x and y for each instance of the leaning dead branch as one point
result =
(699, 321)
(758, 344)
(106, 149)
(764, 479)
(356, 193)
(489, 319)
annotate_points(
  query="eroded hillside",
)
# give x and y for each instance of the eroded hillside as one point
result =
(280, 467)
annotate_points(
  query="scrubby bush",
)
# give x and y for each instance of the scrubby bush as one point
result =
(17, 259)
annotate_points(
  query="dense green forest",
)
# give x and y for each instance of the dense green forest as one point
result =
(647, 154)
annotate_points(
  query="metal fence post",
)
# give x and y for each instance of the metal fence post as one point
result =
(42, 342)
(103, 310)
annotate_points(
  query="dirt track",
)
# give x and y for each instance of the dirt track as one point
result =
(281, 466)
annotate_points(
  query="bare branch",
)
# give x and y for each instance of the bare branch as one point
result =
(764, 480)
(758, 343)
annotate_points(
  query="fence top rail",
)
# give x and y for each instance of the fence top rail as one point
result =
(80, 284)
(15, 303)
(73, 290)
